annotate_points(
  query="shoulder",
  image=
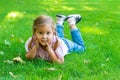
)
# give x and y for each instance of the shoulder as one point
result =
(29, 39)
(61, 49)
(57, 39)
(27, 43)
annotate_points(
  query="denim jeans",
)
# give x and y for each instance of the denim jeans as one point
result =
(74, 45)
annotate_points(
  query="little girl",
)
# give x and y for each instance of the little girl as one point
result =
(49, 45)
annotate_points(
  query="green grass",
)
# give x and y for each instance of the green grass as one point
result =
(100, 28)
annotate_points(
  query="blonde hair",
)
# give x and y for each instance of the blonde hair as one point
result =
(43, 20)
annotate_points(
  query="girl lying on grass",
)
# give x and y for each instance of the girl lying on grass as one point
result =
(46, 44)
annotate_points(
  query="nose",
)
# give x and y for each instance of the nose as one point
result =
(44, 36)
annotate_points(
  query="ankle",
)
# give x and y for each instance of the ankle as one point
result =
(60, 21)
(71, 21)
(72, 26)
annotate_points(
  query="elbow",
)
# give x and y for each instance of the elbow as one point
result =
(60, 62)
(29, 57)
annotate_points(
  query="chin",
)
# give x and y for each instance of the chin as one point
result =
(43, 44)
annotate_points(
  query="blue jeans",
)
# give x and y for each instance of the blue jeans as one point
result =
(77, 44)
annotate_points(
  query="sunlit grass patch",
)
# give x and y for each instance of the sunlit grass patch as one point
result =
(89, 8)
(60, 8)
(13, 15)
(10, 18)
(94, 30)
(116, 12)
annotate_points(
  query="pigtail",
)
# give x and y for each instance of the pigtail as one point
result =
(57, 43)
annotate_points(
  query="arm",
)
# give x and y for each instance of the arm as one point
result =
(31, 54)
(32, 49)
(52, 54)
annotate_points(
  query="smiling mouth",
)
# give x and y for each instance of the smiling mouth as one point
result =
(44, 40)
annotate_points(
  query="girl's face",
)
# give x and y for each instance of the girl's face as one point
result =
(44, 34)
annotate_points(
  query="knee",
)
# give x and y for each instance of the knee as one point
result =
(83, 48)
(80, 49)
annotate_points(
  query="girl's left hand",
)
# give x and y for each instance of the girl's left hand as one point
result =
(48, 46)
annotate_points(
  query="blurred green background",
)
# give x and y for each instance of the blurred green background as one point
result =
(100, 29)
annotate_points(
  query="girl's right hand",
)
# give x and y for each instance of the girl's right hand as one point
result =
(36, 44)
(35, 41)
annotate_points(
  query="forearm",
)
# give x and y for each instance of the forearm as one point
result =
(31, 54)
(33, 46)
(53, 56)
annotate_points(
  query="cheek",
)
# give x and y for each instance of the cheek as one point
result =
(50, 38)
(38, 37)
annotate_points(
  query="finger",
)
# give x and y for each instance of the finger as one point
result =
(46, 43)
(37, 44)
(35, 38)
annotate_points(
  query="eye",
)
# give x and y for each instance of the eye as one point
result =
(48, 32)
(40, 32)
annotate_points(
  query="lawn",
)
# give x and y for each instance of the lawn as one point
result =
(100, 28)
